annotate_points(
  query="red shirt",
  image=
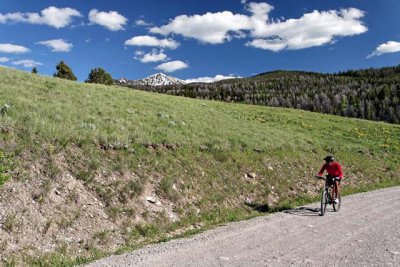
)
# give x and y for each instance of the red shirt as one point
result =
(333, 169)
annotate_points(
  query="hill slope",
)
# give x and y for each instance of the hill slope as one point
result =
(372, 94)
(89, 169)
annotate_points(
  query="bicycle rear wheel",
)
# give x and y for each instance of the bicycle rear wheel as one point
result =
(324, 202)
(336, 206)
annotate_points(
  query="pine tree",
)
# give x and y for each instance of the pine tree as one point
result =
(64, 72)
(99, 75)
(34, 70)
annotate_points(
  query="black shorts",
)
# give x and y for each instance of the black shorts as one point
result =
(331, 179)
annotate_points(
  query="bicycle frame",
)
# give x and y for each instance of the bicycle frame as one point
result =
(326, 196)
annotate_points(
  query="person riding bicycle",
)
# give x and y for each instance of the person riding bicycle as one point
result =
(334, 170)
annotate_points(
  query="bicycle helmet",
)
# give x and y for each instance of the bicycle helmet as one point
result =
(329, 158)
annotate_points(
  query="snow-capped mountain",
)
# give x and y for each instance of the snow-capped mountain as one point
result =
(161, 79)
(157, 79)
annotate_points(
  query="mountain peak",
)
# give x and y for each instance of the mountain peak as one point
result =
(157, 79)
(160, 78)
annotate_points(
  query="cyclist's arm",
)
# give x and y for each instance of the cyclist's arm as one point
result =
(322, 170)
(340, 171)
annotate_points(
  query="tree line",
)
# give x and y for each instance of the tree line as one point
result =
(97, 75)
(372, 94)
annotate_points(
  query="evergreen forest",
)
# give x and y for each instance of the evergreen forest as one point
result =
(372, 94)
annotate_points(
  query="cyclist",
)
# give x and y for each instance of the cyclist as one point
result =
(333, 169)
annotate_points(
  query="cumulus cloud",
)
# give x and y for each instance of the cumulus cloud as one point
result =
(389, 47)
(27, 63)
(4, 59)
(147, 40)
(13, 49)
(213, 28)
(312, 29)
(51, 16)
(172, 66)
(57, 45)
(111, 20)
(211, 79)
(142, 22)
(153, 56)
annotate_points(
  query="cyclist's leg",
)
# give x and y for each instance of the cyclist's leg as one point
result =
(331, 188)
(336, 189)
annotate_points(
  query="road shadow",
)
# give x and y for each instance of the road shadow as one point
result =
(303, 211)
(300, 211)
(264, 208)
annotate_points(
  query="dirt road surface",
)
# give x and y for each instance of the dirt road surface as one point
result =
(365, 232)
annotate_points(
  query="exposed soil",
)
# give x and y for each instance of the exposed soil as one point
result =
(40, 215)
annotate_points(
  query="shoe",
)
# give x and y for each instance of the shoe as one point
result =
(336, 200)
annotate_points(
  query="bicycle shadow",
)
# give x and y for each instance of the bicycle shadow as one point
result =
(264, 208)
(300, 211)
(303, 211)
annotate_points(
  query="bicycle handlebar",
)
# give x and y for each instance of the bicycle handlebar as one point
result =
(324, 178)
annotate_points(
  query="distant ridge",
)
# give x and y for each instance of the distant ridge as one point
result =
(372, 94)
(158, 79)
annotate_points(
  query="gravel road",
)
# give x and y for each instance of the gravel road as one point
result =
(365, 232)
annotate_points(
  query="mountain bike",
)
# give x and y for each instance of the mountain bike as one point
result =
(328, 194)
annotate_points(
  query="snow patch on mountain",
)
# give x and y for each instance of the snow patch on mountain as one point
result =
(161, 79)
(158, 79)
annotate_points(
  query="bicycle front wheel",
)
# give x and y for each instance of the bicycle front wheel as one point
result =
(324, 202)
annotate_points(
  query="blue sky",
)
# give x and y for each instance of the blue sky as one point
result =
(191, 39)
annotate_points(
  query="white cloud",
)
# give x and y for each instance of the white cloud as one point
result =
(172, 66)
(259, 17)
(389, 47)
(272, 44)
(13, 49)
(312, 29)
(211, 79)
(213, 28)
(57, 45)
(147, 40)
(4, 59)
(51, 16)
(142, 22)
(154, 56)
(111, 20)
(139, 53)
(27, 63)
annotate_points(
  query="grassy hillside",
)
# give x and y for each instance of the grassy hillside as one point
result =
(88, 170)
(372, 94)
